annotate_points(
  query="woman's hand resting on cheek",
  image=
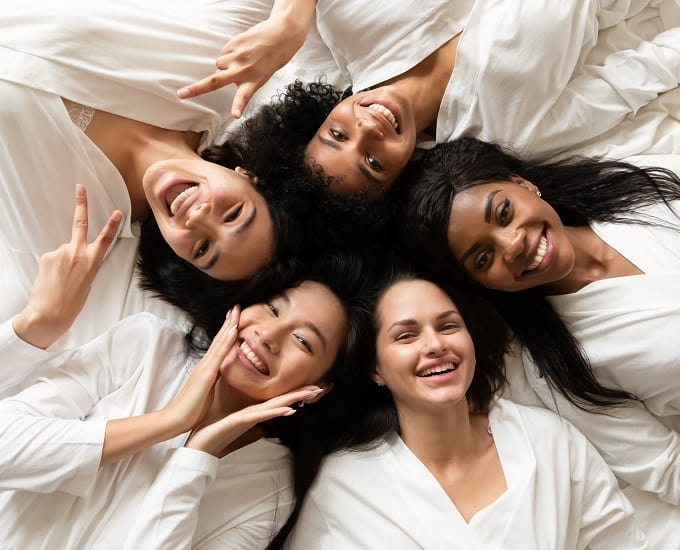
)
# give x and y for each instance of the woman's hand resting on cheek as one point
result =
(214, 437)
(64, 279)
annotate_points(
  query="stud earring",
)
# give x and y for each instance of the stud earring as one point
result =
(380, 383)
(538, 192)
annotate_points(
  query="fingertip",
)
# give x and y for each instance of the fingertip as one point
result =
(289, 412)
(236, 113)
(80, 190)
(117, 216)
(183, 93)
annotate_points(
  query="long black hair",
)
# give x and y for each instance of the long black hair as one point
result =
(580, 190)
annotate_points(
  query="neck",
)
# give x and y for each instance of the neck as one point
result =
(590, 261)
(133, 146)
(426, 83)
(439, 435)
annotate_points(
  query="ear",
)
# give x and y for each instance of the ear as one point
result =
(326, 389)
(519, 180)
(377, 378)
(248, 174)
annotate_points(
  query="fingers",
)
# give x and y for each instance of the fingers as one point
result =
(79, 230)
(243, 95)
(226, 337)
(208, 84)
(106, 236)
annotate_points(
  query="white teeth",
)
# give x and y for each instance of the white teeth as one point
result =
(437, 370)
(179, 199)
(386, 113)
(540, 254)
(253, 358)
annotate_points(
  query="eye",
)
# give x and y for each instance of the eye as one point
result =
(374, 164)
(273, 309)
(305, 344)
(339, 136)
(449, 327)
(233, 213)
(404, 336)
(202, 250)
(504, 213)
(482, 260)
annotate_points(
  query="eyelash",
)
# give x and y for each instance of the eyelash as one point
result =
(373, 164)
(504, 213)
(339, 136)
(273, 309)
(304, 343)
(202, 250)
(233, 214)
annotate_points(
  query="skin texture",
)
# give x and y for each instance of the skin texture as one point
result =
(360, 146)
(421, 328)
(214, 227)
(494, 233)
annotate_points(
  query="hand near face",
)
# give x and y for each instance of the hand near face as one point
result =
(215, 437)
(250, 58)
(64, 279)
(193, 401)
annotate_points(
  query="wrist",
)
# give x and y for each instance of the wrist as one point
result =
(35, 330)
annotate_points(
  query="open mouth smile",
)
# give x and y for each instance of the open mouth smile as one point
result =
(254, 359)
(178, 194)
(439, 369)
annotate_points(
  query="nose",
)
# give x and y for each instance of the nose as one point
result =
(197, 216)
(269, 335)
(368, 126)
(434, 344)
(513, 243)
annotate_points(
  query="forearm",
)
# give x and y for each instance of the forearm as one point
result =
(127, 436)
(297, 14)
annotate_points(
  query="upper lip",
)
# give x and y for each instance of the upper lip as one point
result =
(255, 349)
(438, 362)
(382, 118)
(187, 203)
(529, 257)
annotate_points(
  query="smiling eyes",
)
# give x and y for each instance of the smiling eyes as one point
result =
(503, 215)
(300, 339)
(409, 336)
(370, 160)
(231, 216)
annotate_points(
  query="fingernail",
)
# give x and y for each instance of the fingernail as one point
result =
(236, 113)
(117, 216)
(231, 310)
(80, 190)
(289, 413)
(182, 93)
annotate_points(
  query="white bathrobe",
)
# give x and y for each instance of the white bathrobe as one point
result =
(53, 494)
(560, 496)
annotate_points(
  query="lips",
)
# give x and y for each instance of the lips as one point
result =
(385, 111)
(438, 370)
(177, 194)
(254, 358)
(541, 255)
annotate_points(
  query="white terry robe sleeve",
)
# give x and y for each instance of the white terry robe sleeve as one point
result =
(577, 101)
(169, 515)
(48, 442)
(607, 519)
(635, 444)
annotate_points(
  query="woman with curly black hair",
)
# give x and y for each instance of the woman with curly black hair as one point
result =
(581, 257)
(416, 71)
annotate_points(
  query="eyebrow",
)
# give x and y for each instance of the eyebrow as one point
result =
(487, 219)
(240, 229)
(329, 142)
(489, 202)
(408, 322)
(311, 326)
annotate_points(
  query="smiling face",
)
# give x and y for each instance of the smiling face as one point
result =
(507, 238)
(211, 216)
(365, 142)
(289, 342)
(425, 353)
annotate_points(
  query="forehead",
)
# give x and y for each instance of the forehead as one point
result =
(413, 299)
(317, 304)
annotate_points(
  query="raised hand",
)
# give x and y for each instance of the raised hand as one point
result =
(250, 58)
(193, 401)
(215, 437)
(64, 279)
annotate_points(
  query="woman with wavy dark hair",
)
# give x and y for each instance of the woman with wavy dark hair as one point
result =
(436, 460)
(450, 69)
(149, 437)
(581, 257)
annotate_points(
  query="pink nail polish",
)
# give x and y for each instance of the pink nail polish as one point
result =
(289, 413)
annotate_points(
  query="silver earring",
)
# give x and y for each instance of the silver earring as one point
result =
(380, 383)
(538, 192)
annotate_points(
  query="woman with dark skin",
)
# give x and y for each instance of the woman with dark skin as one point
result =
(580, 256)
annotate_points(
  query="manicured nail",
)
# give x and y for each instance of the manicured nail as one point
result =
(231, 310)
(80, 190)
(236, 113)
(289, 413)
(117, 216)
(182, 93)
